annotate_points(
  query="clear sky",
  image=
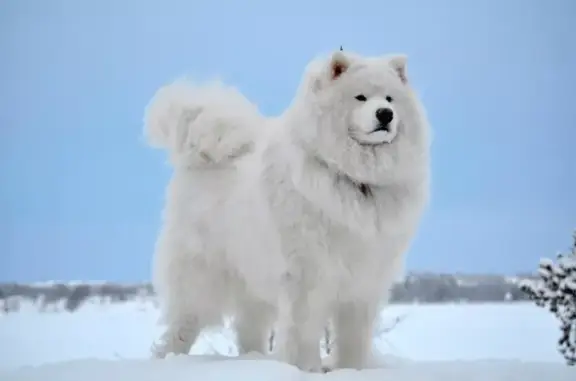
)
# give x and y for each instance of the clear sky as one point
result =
(81, 194)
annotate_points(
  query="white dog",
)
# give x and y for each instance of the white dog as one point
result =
(295, 220)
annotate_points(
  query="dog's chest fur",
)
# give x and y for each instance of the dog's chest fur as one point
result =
(329, 251)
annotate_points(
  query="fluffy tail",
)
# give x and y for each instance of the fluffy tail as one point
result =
(201, 125)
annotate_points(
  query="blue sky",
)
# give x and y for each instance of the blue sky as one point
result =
(81, 194)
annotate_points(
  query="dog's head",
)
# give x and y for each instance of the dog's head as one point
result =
(361, 116)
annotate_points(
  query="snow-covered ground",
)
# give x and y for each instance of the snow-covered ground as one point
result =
(489, 342)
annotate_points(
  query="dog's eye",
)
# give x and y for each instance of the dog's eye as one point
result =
(361, 98)
(389, 99)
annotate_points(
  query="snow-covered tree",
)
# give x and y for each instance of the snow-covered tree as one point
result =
(555, 290)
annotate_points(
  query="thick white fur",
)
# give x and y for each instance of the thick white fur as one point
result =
(201, 125)
(267, 220)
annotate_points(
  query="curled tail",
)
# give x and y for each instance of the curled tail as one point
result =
(201, 125)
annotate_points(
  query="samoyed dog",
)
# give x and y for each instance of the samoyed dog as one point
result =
(291, 221)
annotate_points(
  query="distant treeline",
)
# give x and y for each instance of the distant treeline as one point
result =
(419, 288)
(439, 288)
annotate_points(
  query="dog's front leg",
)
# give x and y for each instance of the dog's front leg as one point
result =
(303, 318)
(354, 324)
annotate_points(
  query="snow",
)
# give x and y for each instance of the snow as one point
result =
(207, 369)
(432, 342)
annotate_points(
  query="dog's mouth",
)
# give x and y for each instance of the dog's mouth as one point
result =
(381, 135)
(370, 143)
(381, 127)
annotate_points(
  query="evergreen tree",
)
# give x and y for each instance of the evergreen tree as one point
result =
(555, 290)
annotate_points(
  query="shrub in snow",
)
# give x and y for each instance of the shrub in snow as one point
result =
(11, 304)
(556, 290)
(77, 297)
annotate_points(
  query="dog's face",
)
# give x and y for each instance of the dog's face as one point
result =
(362, 117)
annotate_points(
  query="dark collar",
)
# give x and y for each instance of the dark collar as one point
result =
(364, 188)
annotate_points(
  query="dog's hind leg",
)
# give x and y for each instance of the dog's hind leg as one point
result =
(190, 299)
(178, 337)
(184, 325)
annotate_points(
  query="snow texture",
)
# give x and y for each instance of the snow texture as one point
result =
(192, 368)
(429, 343)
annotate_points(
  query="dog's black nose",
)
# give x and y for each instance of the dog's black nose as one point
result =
(384, 116)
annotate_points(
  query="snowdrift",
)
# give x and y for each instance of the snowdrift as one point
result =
(254, 368)
(257, 368)
(449, 342)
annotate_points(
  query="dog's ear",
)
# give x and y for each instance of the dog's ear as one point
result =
(339, 64)
(398, 64)
(324, 73)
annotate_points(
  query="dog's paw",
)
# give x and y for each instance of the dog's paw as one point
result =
(312, 366)
(315, 369)
(158, 351)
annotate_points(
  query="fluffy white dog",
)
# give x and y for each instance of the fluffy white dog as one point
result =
(294, 220)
